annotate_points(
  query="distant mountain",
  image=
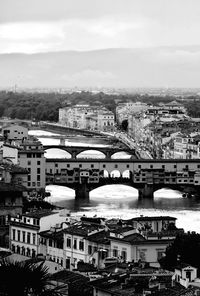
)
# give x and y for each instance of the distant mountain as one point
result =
(150, 67)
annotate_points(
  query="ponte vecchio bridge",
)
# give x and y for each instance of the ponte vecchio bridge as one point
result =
(84, 175)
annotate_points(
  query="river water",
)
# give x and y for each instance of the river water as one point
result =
(120, 201)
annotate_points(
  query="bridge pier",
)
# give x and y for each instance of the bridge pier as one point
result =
(82, 192)
(146, 191)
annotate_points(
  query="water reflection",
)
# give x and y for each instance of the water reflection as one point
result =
(121, 201)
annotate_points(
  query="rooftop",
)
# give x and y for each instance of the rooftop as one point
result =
(100, 237)
(155, 218)
(82, 229)
(11, 187)
(12, 168)
(39, 213)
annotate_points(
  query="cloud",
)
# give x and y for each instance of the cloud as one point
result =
(73, 34)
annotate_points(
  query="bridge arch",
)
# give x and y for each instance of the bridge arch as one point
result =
(57, 153)
(114, 191)
(59, 193)
(90, 153)
(121, 155)
(167, 192)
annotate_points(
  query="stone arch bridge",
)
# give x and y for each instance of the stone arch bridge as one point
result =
(84, 175)
(108, 152)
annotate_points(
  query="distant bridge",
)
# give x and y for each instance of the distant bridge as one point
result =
(84, 175)
(58, 128)
(74, 151)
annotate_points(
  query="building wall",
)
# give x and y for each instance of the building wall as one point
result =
(73, 252)
(22, 241)
(145, 252)
(36, 167)
(15, 132)
(99, 292)
(10, 152)
(158, 167)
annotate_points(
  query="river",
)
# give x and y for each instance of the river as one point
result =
(121, 201)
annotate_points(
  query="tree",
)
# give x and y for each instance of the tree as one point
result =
(124, 125)
(26, 279)
(184, 249)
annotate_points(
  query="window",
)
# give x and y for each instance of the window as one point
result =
(34, 238)
(175, 166)
(92, 165)
(68, 165)
(38, 170)
(104, 165)
(28, 237)
(127, 166)
(29, 178)
(163, 166)
(75, 244)
(18, 235)
(151, 166)
(38, 177)
(81, 245)
(13, 234)
(89, 250)
(38, 162)
(29, 184)
(142, 255)
(56, 165)
(139, 166)
(80, 165)
(33, 184)
(23, 236)
(124, 255)
(159, 254)
(29, 162)
(69, 242)
(50, 243)
(115, 253)
(116, 166)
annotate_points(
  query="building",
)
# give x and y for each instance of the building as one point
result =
(140, 282)
(28, 153)
(13, 180)
(187, 146)
(76, 116)
(105, 121)
(185, 275)
(31, 156)
(76, 243)
(14, 132)
(87, 117)
(52, 244)
(154, 224)
(172, 108)
(123, 110)
(25, 229)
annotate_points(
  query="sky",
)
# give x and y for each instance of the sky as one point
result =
(170, 27)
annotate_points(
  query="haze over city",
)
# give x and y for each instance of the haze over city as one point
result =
(93, 43)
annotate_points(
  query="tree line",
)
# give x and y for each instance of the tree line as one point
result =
(45, 106)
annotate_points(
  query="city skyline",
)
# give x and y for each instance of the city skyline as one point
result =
(100, 43)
